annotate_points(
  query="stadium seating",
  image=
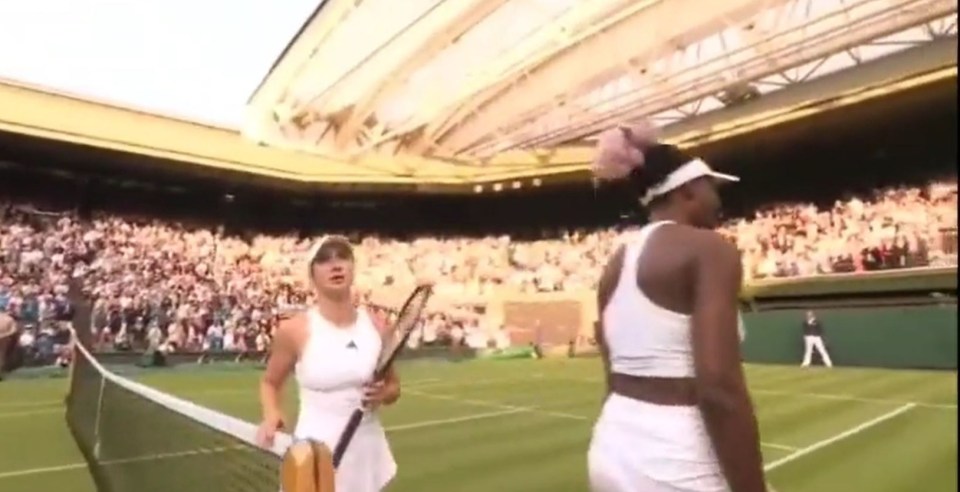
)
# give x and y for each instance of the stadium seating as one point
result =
(160, 283)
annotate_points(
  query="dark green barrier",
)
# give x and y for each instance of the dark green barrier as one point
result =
(178, 358)
(889, 281)
(893, 337)
(174, 359)
(438, 353)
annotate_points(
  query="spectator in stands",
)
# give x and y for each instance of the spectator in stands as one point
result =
(198, 285)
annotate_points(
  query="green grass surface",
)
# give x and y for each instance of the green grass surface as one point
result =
(525, 426)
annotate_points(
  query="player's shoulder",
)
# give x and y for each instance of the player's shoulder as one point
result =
(711, 247)
(291, 323)
(611, 271)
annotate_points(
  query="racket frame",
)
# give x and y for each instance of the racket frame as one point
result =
(357, 416)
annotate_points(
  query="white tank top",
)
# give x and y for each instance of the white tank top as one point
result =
(642, 338)
(334, 365)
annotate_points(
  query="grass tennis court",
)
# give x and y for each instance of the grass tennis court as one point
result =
(524, 425)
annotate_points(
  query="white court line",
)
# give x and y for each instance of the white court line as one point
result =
(187, 394)
(781, 447)
(441, 383)
(137, 459)
(454, 420)
(395, 428)
(823, 396)
(843, 435)
(547, 413)
(510, 409)
(41, 471)
(863, 399)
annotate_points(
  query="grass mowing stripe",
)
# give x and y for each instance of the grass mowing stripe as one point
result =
(843, 435)
(502, 406)
(908, 386)
(28, 404)
(454, 420)
(827, 396)
(123, 461)
(39, 471)
(475, 449)
(30, 413)
(547, 413)
(403, 427)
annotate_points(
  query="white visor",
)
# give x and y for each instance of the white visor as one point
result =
(312, 255)
(315, 249)
(686, 173)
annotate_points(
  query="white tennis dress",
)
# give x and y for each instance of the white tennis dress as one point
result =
(331, 372)
(639, 446)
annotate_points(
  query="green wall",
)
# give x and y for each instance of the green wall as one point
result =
(897, 337)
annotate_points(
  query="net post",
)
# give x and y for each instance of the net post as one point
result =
(99, 418)
(80, 324)
(73, 364)
(81, 335)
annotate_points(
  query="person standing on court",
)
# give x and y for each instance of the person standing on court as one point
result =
(677, 414)
(813, 340)
(333, 348)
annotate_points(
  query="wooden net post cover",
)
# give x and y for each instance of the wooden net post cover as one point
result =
(308, 467)
(8, 338)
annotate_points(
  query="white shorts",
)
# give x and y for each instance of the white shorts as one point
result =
(642, 447)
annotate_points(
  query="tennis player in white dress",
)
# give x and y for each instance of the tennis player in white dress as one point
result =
(333, 349)
(677, 415)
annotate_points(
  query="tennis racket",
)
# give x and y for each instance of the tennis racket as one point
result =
(402, 328)
(307, 467)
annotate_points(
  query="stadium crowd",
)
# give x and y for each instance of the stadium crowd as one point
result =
(162, 284)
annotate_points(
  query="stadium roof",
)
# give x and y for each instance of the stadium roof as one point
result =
(452, 91)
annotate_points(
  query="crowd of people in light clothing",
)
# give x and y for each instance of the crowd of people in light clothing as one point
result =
(163, 284)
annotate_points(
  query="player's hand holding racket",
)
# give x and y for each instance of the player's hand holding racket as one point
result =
(380, 388)
(378, 393)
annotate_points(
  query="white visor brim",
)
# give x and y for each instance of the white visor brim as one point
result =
(684, 174)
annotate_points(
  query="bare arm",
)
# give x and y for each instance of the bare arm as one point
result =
(608, 283)
(283, 358)
(721, 387)
(604, 355)
(391, 380)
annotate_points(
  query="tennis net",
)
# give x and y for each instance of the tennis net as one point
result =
(136, 438)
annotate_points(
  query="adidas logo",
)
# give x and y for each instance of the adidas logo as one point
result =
(352, 345)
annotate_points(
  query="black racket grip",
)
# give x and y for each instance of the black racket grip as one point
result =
(346, 436)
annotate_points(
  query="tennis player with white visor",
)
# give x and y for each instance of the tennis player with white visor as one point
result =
(677, 414)
(333, 348)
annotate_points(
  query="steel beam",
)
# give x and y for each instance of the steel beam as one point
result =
(649, 31)
(455, 20)
(830, 33)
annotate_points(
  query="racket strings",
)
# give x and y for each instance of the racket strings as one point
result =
(407, 320)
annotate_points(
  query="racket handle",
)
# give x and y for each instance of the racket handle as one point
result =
(346, 436)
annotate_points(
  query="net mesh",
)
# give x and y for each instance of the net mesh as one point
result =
(135, 438)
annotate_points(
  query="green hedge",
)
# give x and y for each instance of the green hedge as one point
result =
(906, 280)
